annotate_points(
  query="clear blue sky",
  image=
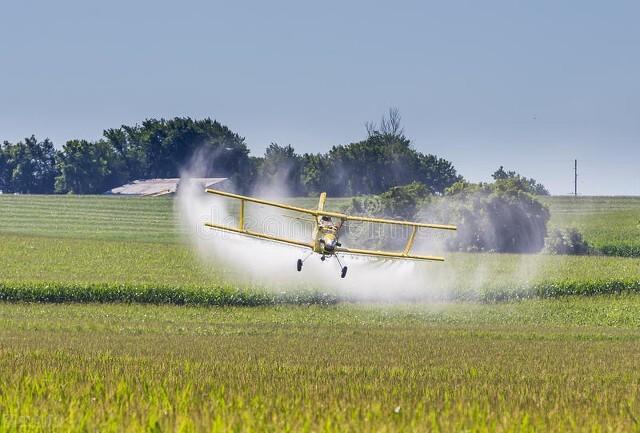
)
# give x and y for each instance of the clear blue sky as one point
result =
(528, 85)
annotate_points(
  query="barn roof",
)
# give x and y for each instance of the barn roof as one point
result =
(156, 187)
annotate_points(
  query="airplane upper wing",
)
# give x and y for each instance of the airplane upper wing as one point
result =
(259, 235)
(265, 202)
(398, 222)
(337, 215)
(243, 230)
(405, 254)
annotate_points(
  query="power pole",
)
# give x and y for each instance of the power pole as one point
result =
(575, 178)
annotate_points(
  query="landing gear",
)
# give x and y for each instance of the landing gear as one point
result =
(343, 269)
(301, 261)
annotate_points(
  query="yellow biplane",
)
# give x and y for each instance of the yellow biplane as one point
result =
(326, 231)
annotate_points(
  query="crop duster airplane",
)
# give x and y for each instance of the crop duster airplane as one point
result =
(326, 231)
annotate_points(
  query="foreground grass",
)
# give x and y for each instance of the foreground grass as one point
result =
(558, 365)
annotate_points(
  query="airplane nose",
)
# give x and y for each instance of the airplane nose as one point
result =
(329, 243)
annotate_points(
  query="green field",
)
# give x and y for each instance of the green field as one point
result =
(563, 363)
(610, 224)
(604, 221)
(547, 366)
(79, 248)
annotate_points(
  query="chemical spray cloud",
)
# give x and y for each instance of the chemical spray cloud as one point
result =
(261, 263)
(250, 261)
(512, 227)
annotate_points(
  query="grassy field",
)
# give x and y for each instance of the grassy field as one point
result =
(101, 217)
(610, 224)
(547, 366)
(568, 363)
(83, 248)
(89, 217)
(606, 222)
(67, 269)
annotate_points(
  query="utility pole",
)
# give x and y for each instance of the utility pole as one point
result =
(575, 178)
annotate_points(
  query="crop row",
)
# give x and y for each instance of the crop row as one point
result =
(619, 250)
(153, 294)
(556, 289)
(227, 295)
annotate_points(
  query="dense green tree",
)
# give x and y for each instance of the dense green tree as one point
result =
(501, 216)
(371, 166)
(5, 171)
(88, 168)
(315, 173)
(164, 148)
(437, 173)
(161, 148)
(386, 158)
(27, 166)
(529, 185)
(127, 150)
(399, 202)
(281, 168)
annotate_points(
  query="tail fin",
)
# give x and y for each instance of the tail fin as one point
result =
(323, 198)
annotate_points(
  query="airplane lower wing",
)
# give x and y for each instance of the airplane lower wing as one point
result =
(257, 235)
(349, 251)
(388, 254)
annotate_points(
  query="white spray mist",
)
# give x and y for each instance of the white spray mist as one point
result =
(249, 261)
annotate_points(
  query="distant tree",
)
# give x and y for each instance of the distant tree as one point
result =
(88, 168)
(281, 167)
(161, 148)
(566, 241)
(250, 176)
(529, 185)
(437, 173)
(127, 148)
(399, 202)
(502, 217)
(383, 160)
(390, 125)
(315, 173)
(371, 166)
(28, 166)
(5, 170)
(502, 174)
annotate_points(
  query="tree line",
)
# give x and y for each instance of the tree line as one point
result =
(159, 148)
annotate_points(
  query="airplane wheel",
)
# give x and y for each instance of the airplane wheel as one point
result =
(344, 272)
(299, 265)
(323, 258)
